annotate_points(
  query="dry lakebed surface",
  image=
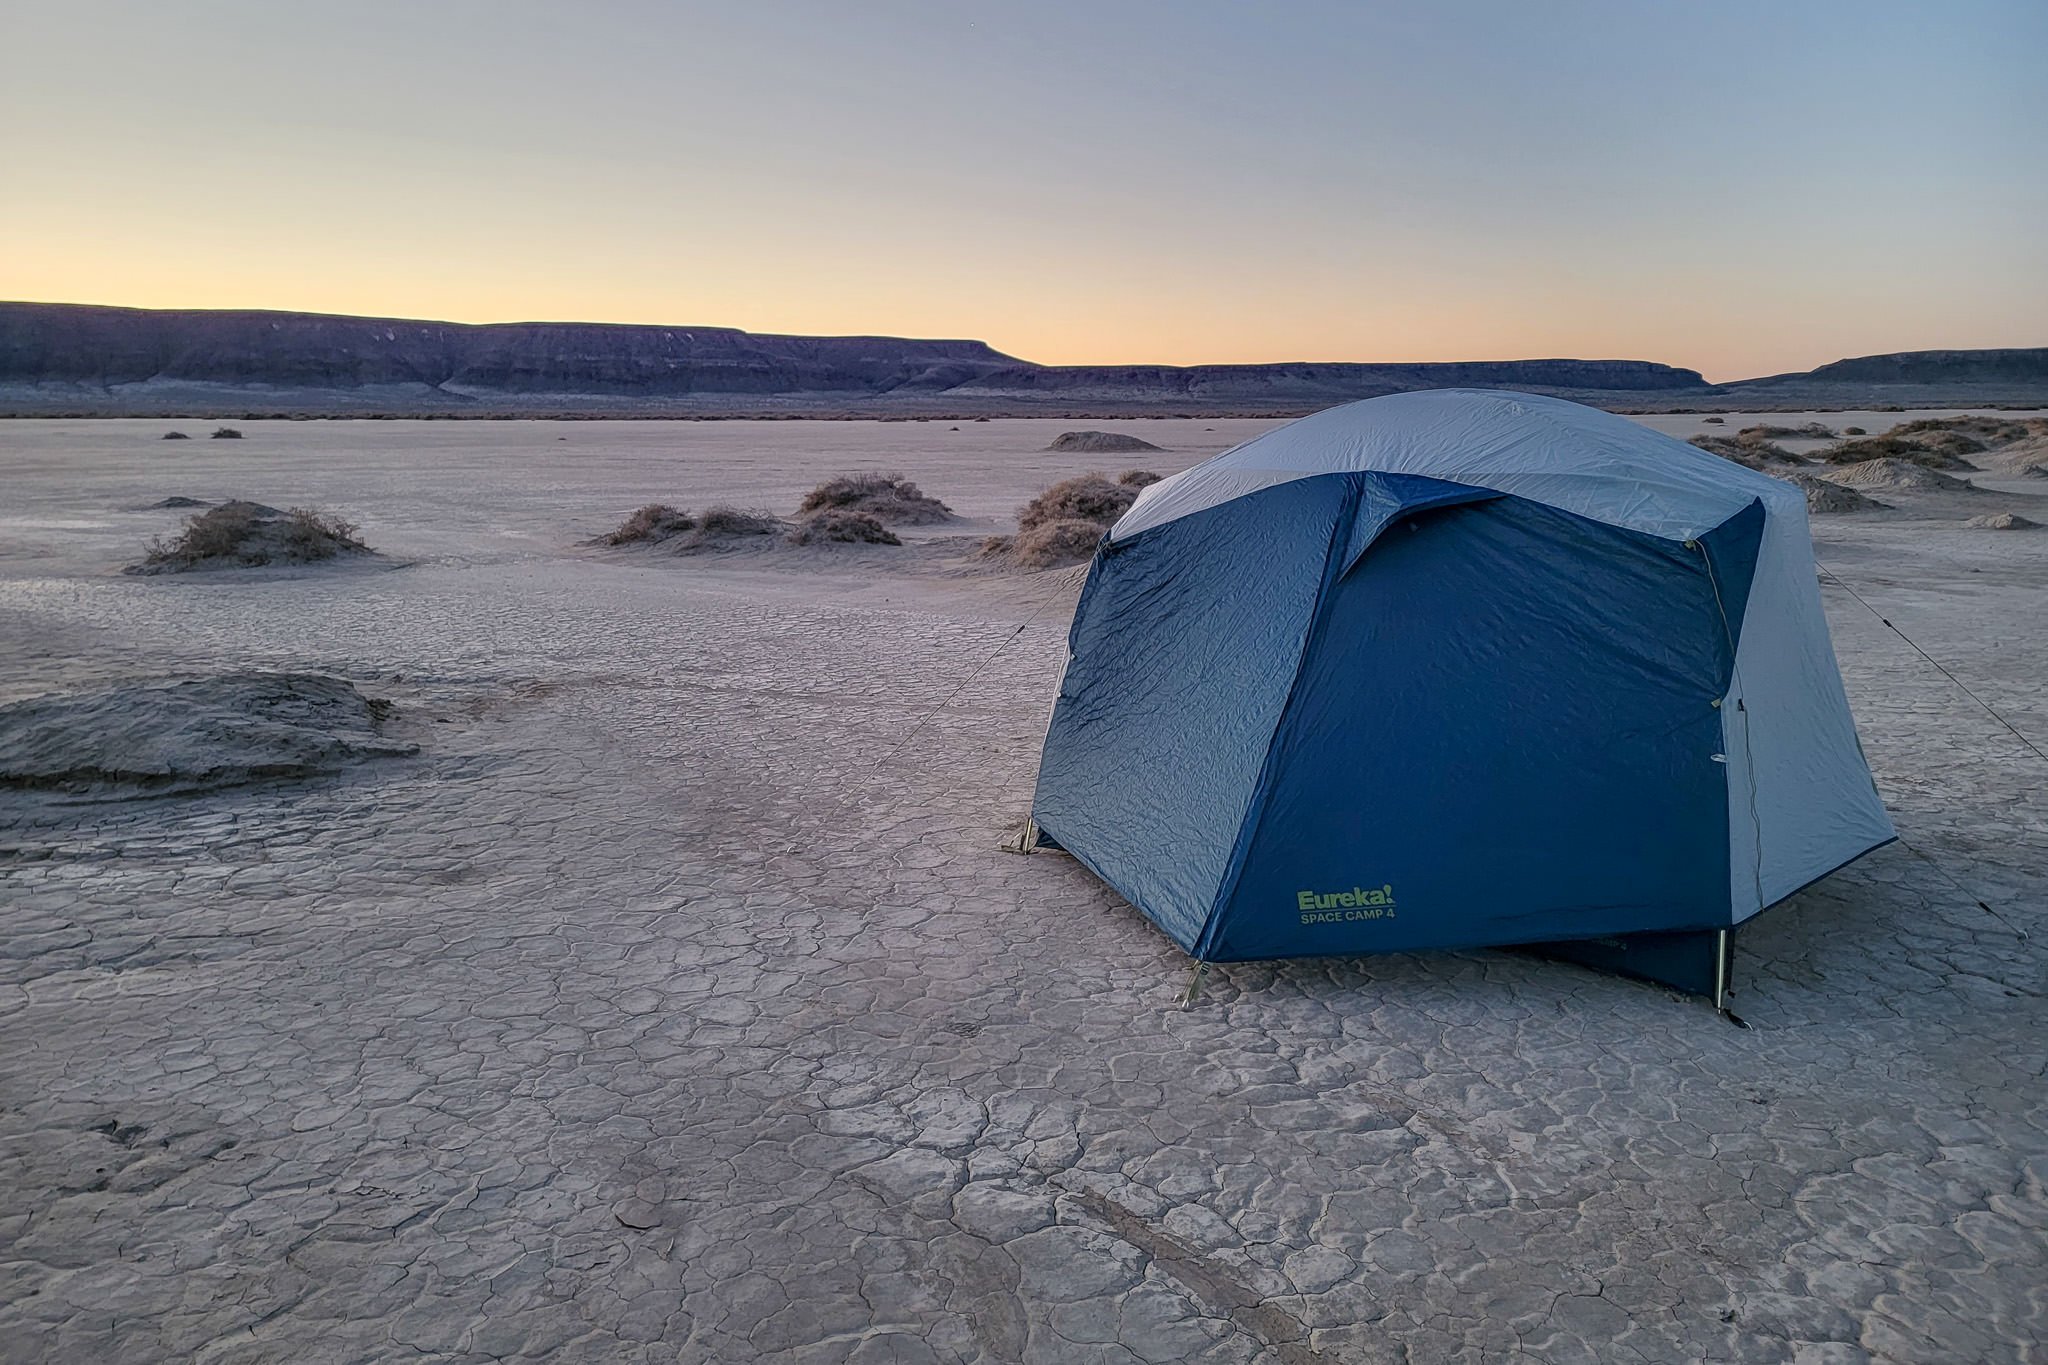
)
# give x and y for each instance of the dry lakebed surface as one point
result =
(505, 947)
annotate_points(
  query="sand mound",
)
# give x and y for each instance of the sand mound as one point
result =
(1137, 478)
(1901, 475)
(837, 526)
(174, 436)
(226, 434)
(2022, 457)
(1928, 451)
(1098, 442)
(887, 498)
(2001, 521)
(1753, 454)
(247, 534)
(192, 736)
(178, 502)
(1823, 495)
(672, 528)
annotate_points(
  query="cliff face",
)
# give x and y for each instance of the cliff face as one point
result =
(105, 347)
(107, 358)
(2022, 365)
(110, 361)
(1330, 381)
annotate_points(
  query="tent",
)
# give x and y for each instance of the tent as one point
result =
(1451, 669)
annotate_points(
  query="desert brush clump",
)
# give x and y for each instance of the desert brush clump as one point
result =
(1989, 430)
(655, 521)
(833, 525)
(1753, 454)
(1087, 497)
(889, 498)
(1063, 524)
(1914, 449)
(174, 436)
(248, 534)
(1823, 495)
(226, 434)
(1047, 545)
(1137, 478)
(1766, 431)
(659, 523)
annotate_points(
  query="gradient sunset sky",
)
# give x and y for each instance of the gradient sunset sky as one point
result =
(1742, 186)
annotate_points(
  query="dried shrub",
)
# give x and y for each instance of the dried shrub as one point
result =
(1045, 546)
(175, 436)
(887, 498)
(655, 521)
(1913, 450)
(226, 434)
(1825, 496)
(1090, 497)
(836, 526)
(1753, 454)
(724, 522)
(1854, 431)
(1137, 478)
(248, 533)
(1810, 431)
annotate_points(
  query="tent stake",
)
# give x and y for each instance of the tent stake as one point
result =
(1194, 991)
(1722, 957)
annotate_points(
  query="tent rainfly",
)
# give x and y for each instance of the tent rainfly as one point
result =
(1452, 669)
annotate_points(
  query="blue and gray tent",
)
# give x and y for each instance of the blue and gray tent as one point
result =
(1454, 669)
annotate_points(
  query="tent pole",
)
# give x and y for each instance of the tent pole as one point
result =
(1194, 991)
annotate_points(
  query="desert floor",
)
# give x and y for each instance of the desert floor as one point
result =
(677, 1003)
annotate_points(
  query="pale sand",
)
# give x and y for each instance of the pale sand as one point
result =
(676, 1003)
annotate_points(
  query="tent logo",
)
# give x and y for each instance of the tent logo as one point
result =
(1339, 907)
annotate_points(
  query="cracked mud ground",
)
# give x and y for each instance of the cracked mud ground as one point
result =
(676, 1004)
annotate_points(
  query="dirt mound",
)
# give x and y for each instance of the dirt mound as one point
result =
(2002, 521)
(888, 498)
(226, 434)
(1137, 478)
(1932, 452)
(672, 528)
(838, 526)
(1899, 475)
(1824, 495)
(2021, 457)
(192, 736)
(1089, 497)
(174, 436)
(1098, 442)
(1753, 454)
(178, 502)
(248, 534)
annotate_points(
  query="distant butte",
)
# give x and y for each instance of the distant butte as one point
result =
(66, 359)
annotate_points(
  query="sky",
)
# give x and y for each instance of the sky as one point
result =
(1742, 187)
